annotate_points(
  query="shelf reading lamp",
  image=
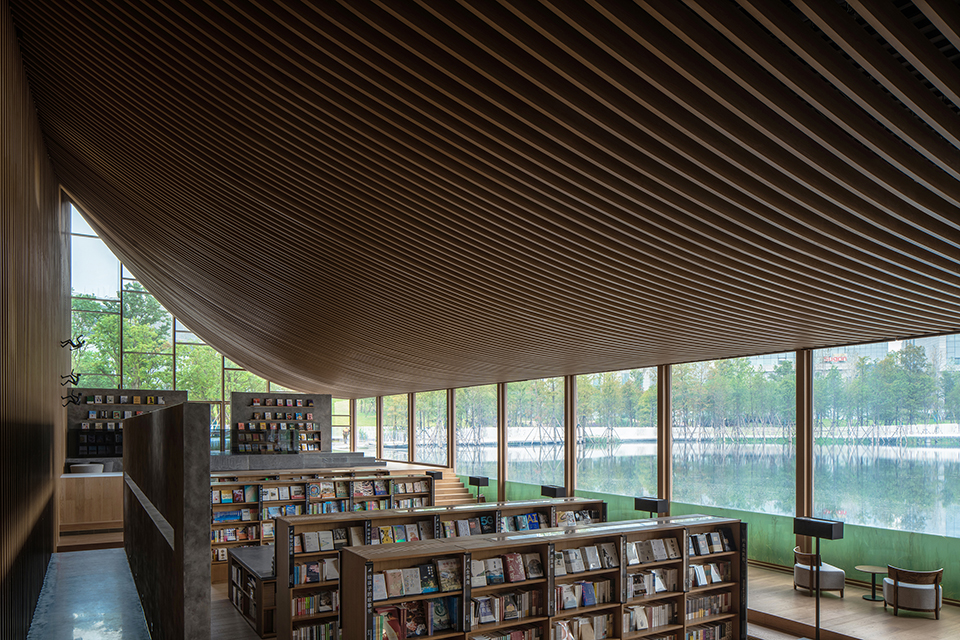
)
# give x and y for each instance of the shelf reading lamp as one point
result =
(654, 506)
(553, 491)
(479, 481)
(817, 528)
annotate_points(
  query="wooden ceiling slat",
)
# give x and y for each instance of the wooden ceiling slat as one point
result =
(445, 194)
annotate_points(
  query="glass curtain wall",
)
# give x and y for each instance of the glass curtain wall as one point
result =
(475, 418)
(341, 424)
(430, 427)
(367, 426)
(617, 432)
(885, 435)
(396, 427)
(534, 436)
(734, 434)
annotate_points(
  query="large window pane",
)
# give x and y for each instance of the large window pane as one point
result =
(242, 381)
(617, 432)
(147, 326)
(395, 428)
(367, 426)
(734, 434)
(430, 423)
(199, 370)
(341, 424)
(475, 423)
(100, 356)
(885, 435)
(535, 432)
(95, 271)
(147, 371)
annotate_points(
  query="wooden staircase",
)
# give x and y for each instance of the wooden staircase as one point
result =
(449, 490)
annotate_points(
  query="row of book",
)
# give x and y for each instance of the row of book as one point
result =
(416, 618)
(583, 593)
(101, 426)
(371, 505)
(233, 515)
(271, 447)
(703, 544)
(364, 488)
(443, 574)
(247, 493)
(410, 503)
(276, 415)
(279, 511)
(330, 540)
(701, 575)
(510, 567)
(293, 492)
(269, 426)
(573, 518)
(318, 571)
(111, 415)
(646, 583)
(325, 631)
(282, 402)
(95, 399)
(503, 607)
(220, 554)
(588, 558)
(327, 600)
(99, 450)
(234, 534)
(101, 438)
(389, 534)
(640, 617)
(716, 631)
(710, 605)
(525, 632)
(328, 506)
(595, 627)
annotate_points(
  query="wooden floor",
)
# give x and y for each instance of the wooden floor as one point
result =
(225, 620)
(771, 595)
(90, 541)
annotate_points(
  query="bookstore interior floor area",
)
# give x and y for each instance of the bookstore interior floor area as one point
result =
(90, 595)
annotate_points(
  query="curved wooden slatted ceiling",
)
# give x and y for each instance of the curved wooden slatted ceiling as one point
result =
(380, 197)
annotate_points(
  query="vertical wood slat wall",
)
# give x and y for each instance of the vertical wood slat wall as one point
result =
(35, 268)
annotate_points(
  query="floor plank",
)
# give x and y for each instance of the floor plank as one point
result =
(225, 620)
(771, 592)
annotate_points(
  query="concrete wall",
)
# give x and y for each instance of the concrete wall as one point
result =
(35, 318)
(166, 504)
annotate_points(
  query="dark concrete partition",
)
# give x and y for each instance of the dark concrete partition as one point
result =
(166, 508)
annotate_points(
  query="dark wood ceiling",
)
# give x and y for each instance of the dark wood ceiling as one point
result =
(379, 197)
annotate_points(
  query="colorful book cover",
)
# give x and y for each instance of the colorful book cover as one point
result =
(494, 570)
(533, 521)
(513, 567)
(411, 581)
(428, 579)
(441, 613)
(474, 524)
(394, 579)
(413, 534)
(379, 587)
(533, 565)
(399, 533)
(416, 620)
(488, 524)
(386, 534)
(449, 574)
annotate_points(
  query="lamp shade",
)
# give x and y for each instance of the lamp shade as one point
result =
(653, 505)
(553, 491)
(479, 481)
(817, 528)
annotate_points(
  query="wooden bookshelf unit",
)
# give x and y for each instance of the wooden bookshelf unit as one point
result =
(279, 423)
(377, 529)
(252, 587)
(591, 589)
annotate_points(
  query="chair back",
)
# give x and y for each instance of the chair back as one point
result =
(914, 577)
(807, 559)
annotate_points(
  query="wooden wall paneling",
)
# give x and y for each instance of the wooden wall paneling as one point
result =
(805, 437)
(665, 433)
(35, 318)
(501, 442)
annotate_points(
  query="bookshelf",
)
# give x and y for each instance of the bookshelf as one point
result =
(369, 530)
(244, 508)
(716, 609)
(252, 587)
(279, 423)
(95, 426)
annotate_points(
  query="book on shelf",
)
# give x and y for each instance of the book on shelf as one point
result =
(238, 495)
(339, 535)
(226, 496)
(215, 496)
(474, 526)
(632, 556)
(449, 574)
(297, 492)
(416, 621)
(484, 610)
(533, 565)
(559, 564)
(715, 542)
(573, 561)
(386, 534)
(591, 557)
(507, 523)
(394, 581)
(442, 612)
(673, 548)
(356, 536)
(726, 535)
(411, 581)
(250, 493)
(494, 570)
(659, 550)
(478, 573)
(412, 532)
(463, 528)
(311, 542)
(379, 488)
(298, 543)
(326, 540)
(645, 551)
(331, 569)
(428, 578)
(341, 490)
(513, 567)
(488, 524)
(379, 587)
(521, 522)
(609, 557)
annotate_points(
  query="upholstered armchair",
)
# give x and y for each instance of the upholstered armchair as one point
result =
(913, 590)
(831, 578)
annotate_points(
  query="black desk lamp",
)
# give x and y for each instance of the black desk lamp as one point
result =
(653, 506)
(553, 491)
(817, 528)
(479, 481)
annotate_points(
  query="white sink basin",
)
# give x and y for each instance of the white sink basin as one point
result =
(91, 467)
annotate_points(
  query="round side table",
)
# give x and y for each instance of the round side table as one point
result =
(874, 571)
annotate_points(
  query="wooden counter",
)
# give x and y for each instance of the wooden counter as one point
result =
(91, 501)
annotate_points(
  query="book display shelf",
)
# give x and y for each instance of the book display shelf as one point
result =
(244, 508)
(313, 545)
(252, 587)
(95, 426)
(556, 584)
(277, 423)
